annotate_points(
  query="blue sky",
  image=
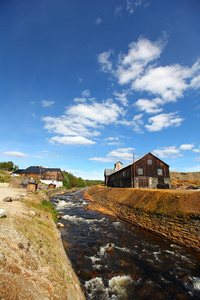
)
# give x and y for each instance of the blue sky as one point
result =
(87, 83)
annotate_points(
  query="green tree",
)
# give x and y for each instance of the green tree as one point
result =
(72, 180)
(65, 179)
(81, 182)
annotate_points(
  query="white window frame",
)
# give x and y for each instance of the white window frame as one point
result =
(160, 172)
(149, 161)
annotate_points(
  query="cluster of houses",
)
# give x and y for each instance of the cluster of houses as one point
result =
(147, 171)
(45, 175)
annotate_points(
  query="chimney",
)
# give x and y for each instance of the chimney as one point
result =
(118, 166)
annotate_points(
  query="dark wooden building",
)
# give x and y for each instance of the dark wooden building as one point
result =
(146, 172)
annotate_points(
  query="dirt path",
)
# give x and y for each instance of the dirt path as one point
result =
(33, 264)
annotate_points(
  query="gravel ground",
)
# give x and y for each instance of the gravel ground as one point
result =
(33, 263)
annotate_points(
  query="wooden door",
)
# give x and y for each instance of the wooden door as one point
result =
(143, 182)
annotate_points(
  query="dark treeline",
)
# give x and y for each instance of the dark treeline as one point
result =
(8, 166)
(69, 180)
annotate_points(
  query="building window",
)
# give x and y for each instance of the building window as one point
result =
(53, 177)
(47, 176)
(149, 161)
(160, 172)
(140, 171)
(124, 173)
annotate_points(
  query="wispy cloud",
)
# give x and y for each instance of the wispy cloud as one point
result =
(98, 21)
(118, 154)
(167, 152)
(173, 151)
(129, 6)
(86, 93)
(15, 154)
(38, 156)
(122, 97)
(186, 147)
(118, 11)
(71, 140)
(46, 103)
(80, 121)
(135, 124)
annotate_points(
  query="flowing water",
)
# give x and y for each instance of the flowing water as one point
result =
(116, 260)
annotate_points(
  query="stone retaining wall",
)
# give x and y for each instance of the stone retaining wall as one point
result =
(177, 225)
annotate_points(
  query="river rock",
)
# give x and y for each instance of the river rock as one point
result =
(2, 213)
(7, 199)
(60, 225)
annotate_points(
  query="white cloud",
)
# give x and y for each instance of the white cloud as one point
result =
(166, 152)
(193, 169)
(149, 106)
(98, 21)
(138, 2)
(86, 93)
(103, 59)
(33, 115)
(186, 147)
(71, 140)
(81, 100)
(163, 121)
(113, 143)
(168, 82)
(118, 11)
(129, 6)
(122, 97)
(102, 159)
(135, 123)
(122, 153)
(15, 154)
(46, 103)
(81, 120)
(118, 154)
(37, 156)
(195, 82)
(197, 158)
(111, 138)
(102, 113)
(196, 150)
(139, 55)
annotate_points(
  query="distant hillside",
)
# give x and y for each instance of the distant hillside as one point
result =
(185, 176)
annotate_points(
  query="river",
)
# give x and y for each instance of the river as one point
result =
(116, 260)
